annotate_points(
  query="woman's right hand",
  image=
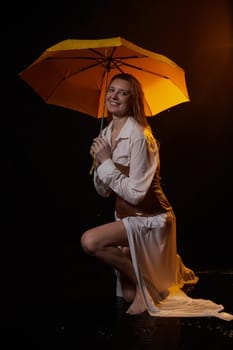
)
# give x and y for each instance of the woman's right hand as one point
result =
(100, 150)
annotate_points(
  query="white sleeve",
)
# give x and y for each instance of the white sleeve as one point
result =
(143, 164)
(101, 188)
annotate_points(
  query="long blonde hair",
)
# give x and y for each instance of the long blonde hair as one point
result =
(137, 102)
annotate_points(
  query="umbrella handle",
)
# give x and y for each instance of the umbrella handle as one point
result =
(93, 166)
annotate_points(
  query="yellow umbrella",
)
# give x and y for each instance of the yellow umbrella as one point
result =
(74, 74)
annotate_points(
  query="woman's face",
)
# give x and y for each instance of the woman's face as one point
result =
(118, 98)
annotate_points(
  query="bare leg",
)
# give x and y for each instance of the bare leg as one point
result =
(131, 292)
(127, 286)
(103, 242)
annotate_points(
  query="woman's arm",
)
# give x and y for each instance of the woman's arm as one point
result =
(143, 164)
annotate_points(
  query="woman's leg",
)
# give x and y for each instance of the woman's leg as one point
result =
(103, 242)
(128, 287)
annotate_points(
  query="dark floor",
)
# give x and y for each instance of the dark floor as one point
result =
(98, 321)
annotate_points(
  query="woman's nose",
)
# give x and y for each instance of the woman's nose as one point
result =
(114, 94)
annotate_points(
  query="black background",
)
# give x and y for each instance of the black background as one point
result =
(48, 198)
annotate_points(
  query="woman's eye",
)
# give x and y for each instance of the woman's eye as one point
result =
(119, 92)
(124, 93)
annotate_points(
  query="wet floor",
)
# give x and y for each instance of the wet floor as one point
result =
(99, 321)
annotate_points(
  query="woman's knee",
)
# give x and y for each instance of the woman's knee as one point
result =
(88, 242)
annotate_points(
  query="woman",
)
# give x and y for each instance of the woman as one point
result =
(141, 244)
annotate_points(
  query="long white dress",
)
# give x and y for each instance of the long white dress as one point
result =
(160, 271)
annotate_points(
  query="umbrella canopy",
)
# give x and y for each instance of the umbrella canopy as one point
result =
(75, 73)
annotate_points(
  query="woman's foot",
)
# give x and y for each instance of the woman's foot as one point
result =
(137, 306)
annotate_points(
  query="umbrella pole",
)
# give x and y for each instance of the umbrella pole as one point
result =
(101, 124)
(102, 120)
(106, 84)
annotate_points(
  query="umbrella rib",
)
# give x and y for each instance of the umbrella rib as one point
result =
(103, 55)
(139, 68)
(107, 61)
(82, 70)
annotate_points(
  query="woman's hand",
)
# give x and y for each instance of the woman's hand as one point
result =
(100, 150)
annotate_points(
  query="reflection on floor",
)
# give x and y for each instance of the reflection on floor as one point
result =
(101, 322)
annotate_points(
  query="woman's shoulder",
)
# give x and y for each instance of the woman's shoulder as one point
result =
(138, 129)
(145, 133)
